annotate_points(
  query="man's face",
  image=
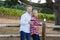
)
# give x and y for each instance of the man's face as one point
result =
(29, 9)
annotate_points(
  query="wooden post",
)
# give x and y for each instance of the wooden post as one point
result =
(44, 28)
(43, 31)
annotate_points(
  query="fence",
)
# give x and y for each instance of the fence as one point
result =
(43, 35)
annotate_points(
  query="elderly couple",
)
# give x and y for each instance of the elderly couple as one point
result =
(29, 25)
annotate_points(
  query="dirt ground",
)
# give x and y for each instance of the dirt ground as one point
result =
(9, 21)
(15, 30)
(47, 38)
(16, 20)
(12, 30)
(13, 20)
(4, 19)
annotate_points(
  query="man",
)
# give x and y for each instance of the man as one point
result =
(25, 24)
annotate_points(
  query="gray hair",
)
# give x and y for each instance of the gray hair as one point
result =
(35, 10)
(28, 6)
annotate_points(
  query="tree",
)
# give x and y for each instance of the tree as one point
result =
(14, 2)
(57, 11)
(33, 4)
(48, 4)
(9, 3)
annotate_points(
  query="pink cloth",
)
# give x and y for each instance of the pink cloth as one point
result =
(35, 22)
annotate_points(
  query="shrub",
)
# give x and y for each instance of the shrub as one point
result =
(48, 16)
(11, 12)
(18, 13)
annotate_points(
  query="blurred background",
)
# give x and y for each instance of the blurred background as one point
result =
(11, 11)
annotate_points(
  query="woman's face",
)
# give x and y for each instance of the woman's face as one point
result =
(35, 13)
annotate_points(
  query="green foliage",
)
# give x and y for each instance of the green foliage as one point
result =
(11, 12)
(48, 16)
(18, 13)
(47, 11)
(9, 3)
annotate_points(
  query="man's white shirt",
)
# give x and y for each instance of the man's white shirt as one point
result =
(24, 22)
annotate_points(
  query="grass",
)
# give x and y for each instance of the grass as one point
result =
(18, 13)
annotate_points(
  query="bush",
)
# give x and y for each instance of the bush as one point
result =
(47, 10)
(48, 16)
(18, 13)
(11, 12)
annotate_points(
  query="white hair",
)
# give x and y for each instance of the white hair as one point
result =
(35, 10)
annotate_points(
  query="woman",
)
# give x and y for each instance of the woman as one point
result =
(34, 29)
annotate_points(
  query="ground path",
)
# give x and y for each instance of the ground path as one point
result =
(15, 30)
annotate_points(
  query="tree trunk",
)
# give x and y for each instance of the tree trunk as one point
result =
(34, 4)
(57, 11)
(49, 4)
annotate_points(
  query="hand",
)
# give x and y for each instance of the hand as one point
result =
(36, 26)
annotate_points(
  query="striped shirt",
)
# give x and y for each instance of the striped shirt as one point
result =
(35, 22)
